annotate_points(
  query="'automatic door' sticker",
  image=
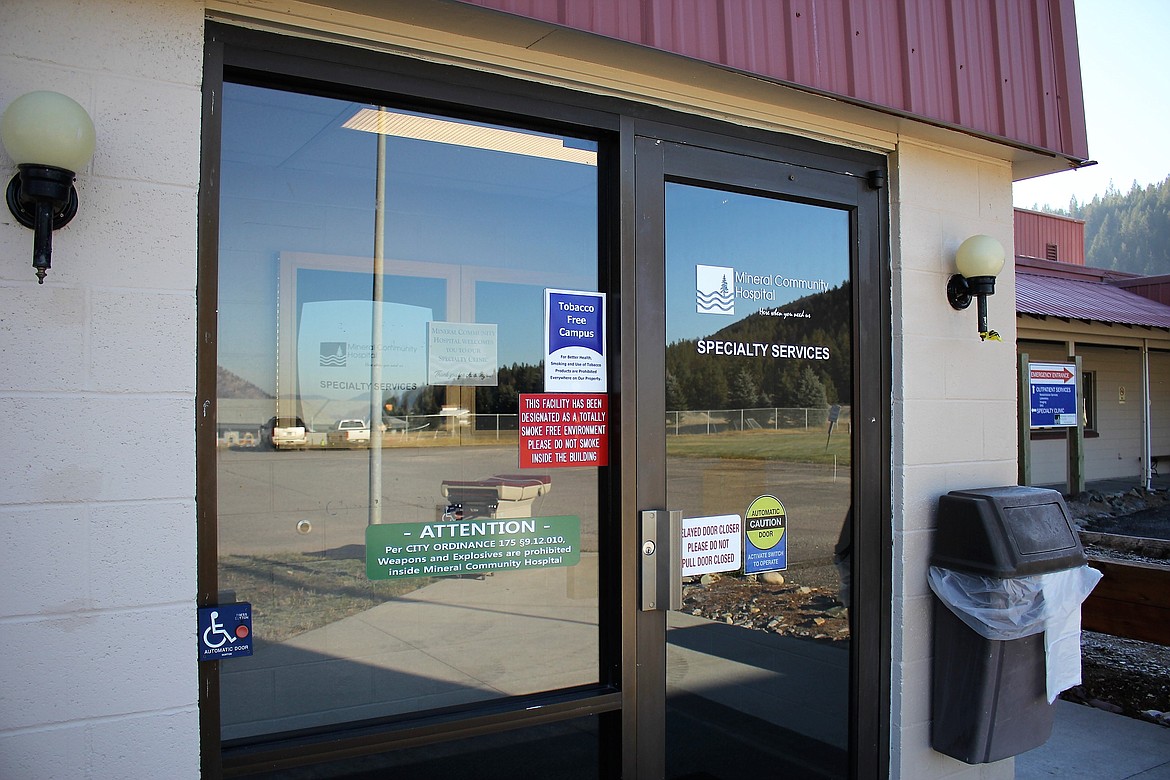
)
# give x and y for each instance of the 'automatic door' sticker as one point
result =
(765, 536)
(225, 631)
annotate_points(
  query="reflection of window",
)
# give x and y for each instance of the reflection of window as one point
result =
(1089, 400)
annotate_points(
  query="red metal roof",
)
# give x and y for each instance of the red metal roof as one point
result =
(1000, 69)
(1077, 299)
(1156, 288)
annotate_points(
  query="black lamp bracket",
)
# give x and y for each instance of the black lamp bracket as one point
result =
(42, 197)
(958, 292)
(35, 183)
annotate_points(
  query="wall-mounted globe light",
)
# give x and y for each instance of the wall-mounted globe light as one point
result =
(50, 137)
(979, 260)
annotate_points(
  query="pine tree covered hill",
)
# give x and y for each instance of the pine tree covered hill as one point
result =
(697, 381)
(1125, 232)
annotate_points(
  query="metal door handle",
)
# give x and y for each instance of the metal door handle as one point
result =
(661, 554)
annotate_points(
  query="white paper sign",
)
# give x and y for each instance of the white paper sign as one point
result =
(574, 342)
(462, 353)
(711, 544)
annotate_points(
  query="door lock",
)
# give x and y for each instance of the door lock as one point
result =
(661, 560)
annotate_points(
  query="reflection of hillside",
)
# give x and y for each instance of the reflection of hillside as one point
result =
(229, 385)
(759, 376)
(826, 311)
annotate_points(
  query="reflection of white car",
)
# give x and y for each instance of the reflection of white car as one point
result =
(350, 433)
(288, 433)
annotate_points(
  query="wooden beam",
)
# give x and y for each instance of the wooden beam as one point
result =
(1132, 601)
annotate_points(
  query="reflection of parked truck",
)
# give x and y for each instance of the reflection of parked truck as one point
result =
(350, 433)
(287, 433)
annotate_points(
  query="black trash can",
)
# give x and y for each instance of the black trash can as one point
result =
(989, 697)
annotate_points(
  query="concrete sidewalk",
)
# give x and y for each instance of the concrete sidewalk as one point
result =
(463, 640)
(1097, 745)
(1092, 743)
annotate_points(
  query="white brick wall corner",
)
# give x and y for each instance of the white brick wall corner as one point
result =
(97, 510)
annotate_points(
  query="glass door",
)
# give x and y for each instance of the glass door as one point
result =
(755, 456)
(383, 283)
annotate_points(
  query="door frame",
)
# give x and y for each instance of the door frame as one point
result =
(659, 154)
(620, 699)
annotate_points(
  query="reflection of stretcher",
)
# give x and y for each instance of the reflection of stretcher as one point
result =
(504, 495)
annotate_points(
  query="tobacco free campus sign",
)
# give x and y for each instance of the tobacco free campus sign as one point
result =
(574, 342)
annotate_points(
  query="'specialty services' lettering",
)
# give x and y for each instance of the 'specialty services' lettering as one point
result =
(758, 349)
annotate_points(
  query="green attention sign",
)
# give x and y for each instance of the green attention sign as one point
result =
(471, 546)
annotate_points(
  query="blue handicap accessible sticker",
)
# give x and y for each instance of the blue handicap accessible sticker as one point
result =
(225, 631)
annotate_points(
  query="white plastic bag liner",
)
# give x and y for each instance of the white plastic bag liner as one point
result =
(1013, 608)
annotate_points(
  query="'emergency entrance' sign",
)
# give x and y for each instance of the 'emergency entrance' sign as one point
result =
(1052, 388)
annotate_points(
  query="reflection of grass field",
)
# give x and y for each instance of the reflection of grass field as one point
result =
(785, 445)
(292, 593)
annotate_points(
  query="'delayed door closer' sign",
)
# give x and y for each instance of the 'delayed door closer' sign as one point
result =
(478, 546)
(711, 544)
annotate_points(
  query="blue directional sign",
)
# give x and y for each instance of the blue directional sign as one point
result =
(225, 631)
(1052, 388)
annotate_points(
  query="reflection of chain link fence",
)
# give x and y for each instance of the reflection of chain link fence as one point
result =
(484, 428)
(708, 421)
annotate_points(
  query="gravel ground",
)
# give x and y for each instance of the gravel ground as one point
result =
(1119, 675)
(1123, 675)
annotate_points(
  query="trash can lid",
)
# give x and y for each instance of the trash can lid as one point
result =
(1009, 531)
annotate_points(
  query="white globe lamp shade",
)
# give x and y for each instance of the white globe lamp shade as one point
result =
(980, 256)
(47, 128)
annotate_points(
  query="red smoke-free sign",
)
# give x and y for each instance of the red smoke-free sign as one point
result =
(564, 429)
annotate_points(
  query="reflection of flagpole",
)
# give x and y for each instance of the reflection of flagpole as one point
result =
(376, 339)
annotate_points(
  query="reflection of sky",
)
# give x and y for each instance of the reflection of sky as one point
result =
(753, 235)
(294, 180)
(514, 307)
(319, 285)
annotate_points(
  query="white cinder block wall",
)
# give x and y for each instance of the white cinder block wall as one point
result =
(954, 407)
(97, 479)
(97, 520)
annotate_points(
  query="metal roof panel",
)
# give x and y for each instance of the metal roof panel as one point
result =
(1000, 69)
(1073, 299)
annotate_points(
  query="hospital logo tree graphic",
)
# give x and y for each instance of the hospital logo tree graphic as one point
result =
(714, 289)
(333, 353)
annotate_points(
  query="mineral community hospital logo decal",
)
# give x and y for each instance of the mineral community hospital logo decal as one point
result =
(333, 353)
(715, 289)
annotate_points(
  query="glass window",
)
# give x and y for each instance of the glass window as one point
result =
(381, 305)
(1089, 395)
(759, 381)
